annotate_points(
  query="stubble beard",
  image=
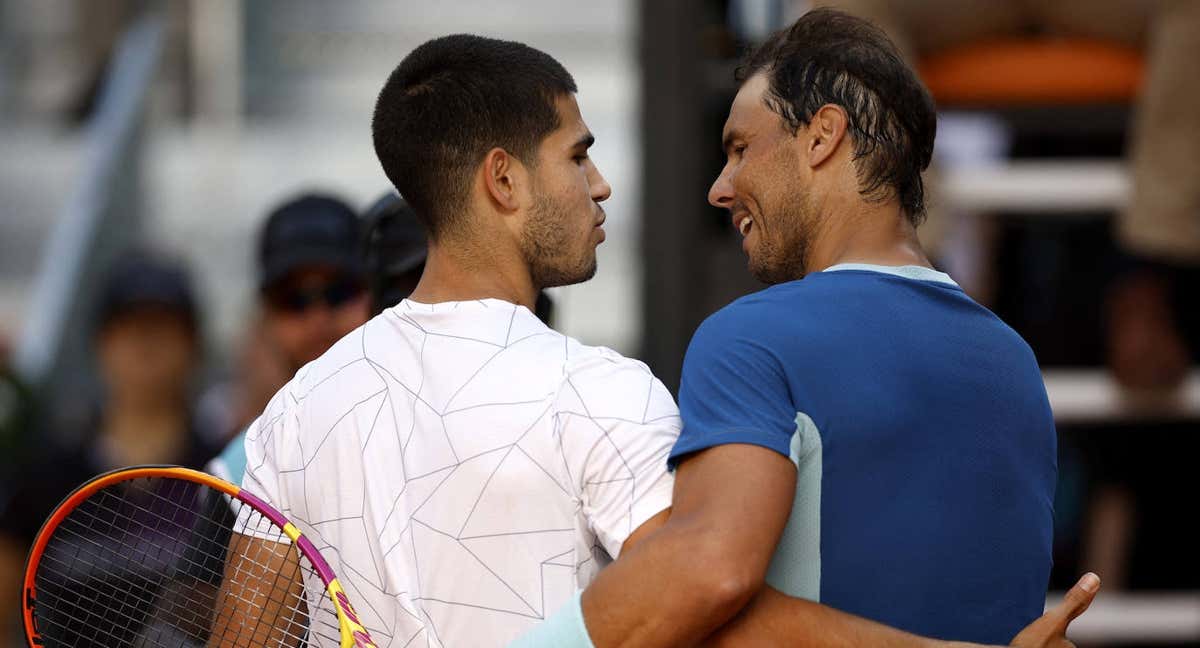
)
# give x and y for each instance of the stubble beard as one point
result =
(548, 242)
(782, 258)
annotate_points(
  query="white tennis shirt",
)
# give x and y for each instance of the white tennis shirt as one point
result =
(464, 468)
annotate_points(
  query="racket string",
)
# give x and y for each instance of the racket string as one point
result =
(158, 527)
(138, 563)
(144, 597)
(124, 580)
(102, 549)
(276, 537)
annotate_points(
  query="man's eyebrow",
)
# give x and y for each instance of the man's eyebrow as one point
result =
(727, 140)
(585, 141)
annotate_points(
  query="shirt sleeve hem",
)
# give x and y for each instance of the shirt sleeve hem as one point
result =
(656, 500)
(690, 444)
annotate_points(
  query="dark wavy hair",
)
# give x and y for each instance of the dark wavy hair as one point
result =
(829, 57)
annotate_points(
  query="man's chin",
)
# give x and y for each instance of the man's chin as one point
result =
(584, 275)
(758, 270)
(568, 278)
(761, 276)
(772, 274)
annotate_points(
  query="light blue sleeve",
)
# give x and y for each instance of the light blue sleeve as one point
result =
(230, 465)
(564, 629)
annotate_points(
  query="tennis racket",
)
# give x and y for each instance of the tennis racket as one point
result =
(165, 556)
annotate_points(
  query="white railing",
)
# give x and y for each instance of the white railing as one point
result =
(71, 251)
(1093, 396)
(1137, 618)
(1060, 187)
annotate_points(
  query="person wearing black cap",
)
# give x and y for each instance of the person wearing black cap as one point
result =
(394, 250)
(311, 276)
(312, 282)
(147, 347)
(311, 292)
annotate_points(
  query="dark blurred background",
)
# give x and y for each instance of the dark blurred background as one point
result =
(159, 136)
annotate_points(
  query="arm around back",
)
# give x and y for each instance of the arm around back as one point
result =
(706, 562)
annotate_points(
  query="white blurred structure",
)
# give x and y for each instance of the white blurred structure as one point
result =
(275, 97)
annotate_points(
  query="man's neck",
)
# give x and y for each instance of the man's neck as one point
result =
(877, 234)
(463, 272)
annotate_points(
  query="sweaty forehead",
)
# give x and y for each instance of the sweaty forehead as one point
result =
(748, 112)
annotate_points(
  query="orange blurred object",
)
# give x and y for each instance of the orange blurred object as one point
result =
(1034, 71)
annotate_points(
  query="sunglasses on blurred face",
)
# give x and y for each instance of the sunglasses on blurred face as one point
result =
(297, 299)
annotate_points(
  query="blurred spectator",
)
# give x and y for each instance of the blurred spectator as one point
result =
(147, 345)
(1160, 229)
(1154, 320)
(394, 250)
(312, 292)
(311, 276)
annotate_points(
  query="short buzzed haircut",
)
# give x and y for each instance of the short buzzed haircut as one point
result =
(448, 103)
(829, 57)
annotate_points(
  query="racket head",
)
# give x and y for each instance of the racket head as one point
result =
(169, 512)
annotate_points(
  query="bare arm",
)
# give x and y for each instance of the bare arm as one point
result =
(746, 491)
(718, 476)
(261, 602)
(775, 619)
(684, 580)
(773, 616)
(679, 583)
(676, 584)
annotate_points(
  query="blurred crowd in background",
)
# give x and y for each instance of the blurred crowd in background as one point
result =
(192, 211)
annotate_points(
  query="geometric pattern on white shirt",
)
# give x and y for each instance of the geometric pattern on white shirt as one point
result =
(464, 468)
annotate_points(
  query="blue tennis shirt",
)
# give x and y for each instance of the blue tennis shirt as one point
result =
(922, 436)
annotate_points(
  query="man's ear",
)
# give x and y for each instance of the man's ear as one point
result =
(826, 130)
(503, 175)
